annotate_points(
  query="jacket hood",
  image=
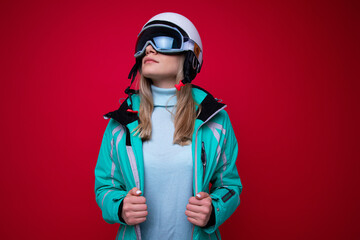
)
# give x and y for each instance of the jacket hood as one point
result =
(209, 106)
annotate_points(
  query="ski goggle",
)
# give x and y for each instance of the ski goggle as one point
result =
(163, 39)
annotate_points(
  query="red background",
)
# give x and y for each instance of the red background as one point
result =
(287, 70)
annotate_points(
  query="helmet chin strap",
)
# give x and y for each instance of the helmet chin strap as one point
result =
(182, 83)
(190, 70)
(179, 85)
(128, 90)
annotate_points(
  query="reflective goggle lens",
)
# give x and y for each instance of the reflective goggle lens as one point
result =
(164, 42)
(163, 38)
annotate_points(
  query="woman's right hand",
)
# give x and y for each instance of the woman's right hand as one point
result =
(134, 209)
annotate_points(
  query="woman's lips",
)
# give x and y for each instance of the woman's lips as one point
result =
(149, 60)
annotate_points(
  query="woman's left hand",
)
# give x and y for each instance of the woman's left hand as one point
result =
(199, 209)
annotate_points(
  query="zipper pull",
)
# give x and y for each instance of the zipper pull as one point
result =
(203, 154)
(203, 158)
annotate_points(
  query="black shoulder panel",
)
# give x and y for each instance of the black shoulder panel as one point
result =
(122, 115)
(208, 106)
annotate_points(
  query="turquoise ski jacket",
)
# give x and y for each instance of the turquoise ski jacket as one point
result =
(120, 164)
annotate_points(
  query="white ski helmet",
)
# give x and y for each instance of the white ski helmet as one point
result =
(184, 25)
(171, 33)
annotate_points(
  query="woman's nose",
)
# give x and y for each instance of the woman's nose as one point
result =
(149, 49)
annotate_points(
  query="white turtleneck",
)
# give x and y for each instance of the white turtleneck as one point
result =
(168, 174)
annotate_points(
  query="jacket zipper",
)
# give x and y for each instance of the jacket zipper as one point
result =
(196, 138)
(216, 234)
(203, 159)
(137, 182)
(192, 235)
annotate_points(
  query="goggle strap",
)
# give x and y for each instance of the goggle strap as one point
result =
(188, 45)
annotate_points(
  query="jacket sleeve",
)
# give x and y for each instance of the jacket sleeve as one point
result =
(226, 184)
(110, 188)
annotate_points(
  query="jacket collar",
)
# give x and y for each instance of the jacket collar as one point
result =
(209, 106)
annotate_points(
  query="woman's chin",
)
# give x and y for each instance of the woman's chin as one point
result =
(154, 76)
(150, 74)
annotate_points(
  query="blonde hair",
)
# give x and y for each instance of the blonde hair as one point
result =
(185, 115)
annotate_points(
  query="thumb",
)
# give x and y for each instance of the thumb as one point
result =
(202, 195)
(134, 192)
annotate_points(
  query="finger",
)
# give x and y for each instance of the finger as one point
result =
(194, 201)
(137, 207)
(202, 195)
(136, 200)
(135, 221)
(132, 214)
(191, 214)
(195, 208)
(205, 201)
(134, 192)
(139, 220)
(193, 221)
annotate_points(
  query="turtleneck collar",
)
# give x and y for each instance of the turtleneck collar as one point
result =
(163, 96)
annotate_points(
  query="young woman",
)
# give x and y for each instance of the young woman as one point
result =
(167, 143)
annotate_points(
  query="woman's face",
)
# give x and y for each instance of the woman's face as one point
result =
(160, 68)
